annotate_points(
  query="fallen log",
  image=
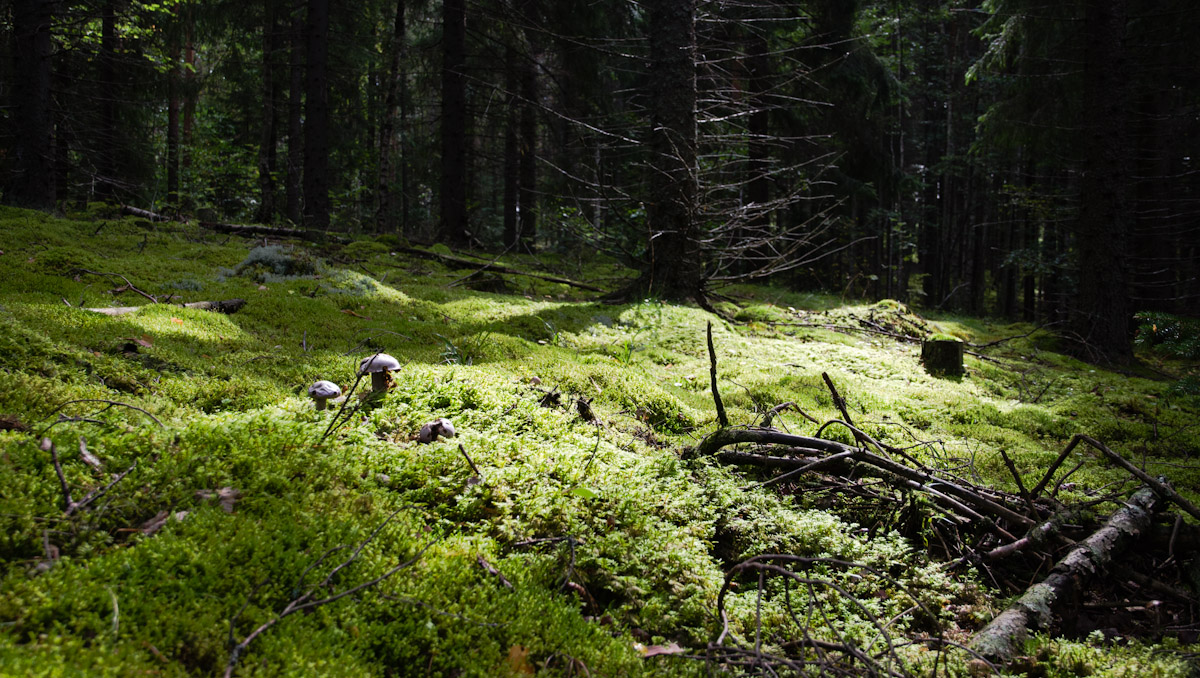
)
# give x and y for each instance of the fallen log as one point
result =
(228, 306)
(493, 267)
(144, 214)
(1001, 639)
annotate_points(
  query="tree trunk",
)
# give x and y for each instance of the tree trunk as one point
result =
(675, 268)
(453, 196)
(527, 198)
(512, 177)
(266, 140)
(106, 183)
(295, 157)
(1102, 316)
(316, 117)
(390, 216)
(33, 179)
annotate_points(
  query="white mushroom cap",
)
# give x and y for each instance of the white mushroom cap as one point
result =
(380, 362)
(324, 389)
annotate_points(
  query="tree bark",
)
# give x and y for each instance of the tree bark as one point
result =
(32, 183)
(453, 196)
(1001, 638)
(316, 117)
(527, 169)
(1102, 317)
(293, 199)
(675, 266)
(390, 213)
(512, 177)
(265, 213)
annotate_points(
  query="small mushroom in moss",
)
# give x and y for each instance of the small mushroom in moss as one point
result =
(323, 390)
(378, 366)
(438, 427)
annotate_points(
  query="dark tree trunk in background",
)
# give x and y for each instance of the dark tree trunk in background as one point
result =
(295, 155)
(528, 198)
(674, 270)
(316, 117)
(106, 183)
(1102, 318)
(267, 131)
(391, 215)
(173, 106)
(453, 197)
(32, 183)
(512, 178)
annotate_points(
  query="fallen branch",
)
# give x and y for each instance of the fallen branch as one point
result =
(130, 287)
(228, 306)
(70, 505)
(975, 500)
(448, 259)
(1001, 638)
(307, 600)
(1161, 488)
(144, 214)
(722, 418)
(110, 404)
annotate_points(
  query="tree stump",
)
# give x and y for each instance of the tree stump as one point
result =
(942, 356)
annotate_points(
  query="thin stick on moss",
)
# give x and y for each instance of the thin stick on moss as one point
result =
(722, 418)
(111, 404)
(128, 285)
(305, 601)
(840, 403)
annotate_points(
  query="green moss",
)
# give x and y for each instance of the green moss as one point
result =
(614, 508)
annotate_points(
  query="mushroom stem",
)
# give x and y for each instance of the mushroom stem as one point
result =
(379, 381)
(320, 403)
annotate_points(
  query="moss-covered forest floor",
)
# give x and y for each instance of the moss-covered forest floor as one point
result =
(547, 544)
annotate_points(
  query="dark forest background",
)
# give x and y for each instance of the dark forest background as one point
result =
(1033, 160)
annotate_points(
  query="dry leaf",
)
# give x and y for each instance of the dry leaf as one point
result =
(154, 524)
(669, 648)
(177, 321)
(226, 496)
(349, 312)
(518, 660)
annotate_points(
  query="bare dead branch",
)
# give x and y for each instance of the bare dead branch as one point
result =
(722, 418)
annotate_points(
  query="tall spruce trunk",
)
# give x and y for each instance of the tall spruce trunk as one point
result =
(527, 150)
(1102, 314)
(675, 267)
(453, 196)
(390, 213)
(293, 181)
(265, 213)
(511, 156)
(32, 183)
(316, 117)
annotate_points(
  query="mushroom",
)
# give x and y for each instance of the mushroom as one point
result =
(438, 427)
(323, 390)
(378, 366)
